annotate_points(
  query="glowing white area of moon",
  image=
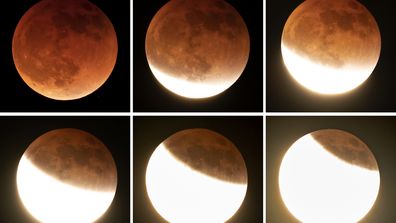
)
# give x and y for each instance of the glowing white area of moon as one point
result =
(181, 194)
(190, 89)
(52, 201)
(316, 186)
(324, 79)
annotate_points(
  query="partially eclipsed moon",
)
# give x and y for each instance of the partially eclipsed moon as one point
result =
(329, 176)
(197, 49)
(196, 175)
(64, 50)
(330, 47)
(67, 175)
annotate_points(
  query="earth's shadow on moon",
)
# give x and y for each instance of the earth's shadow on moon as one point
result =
(74, 157)
(209, 153)
(346, 147)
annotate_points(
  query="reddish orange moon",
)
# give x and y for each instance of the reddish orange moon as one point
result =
(67, 175)
(331, 47)
(197, 49)
(64, 50)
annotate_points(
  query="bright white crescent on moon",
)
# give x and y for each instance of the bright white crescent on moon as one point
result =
(330, 47)
(66, 175)
(196, 175)
(197, 49)
(329, 176)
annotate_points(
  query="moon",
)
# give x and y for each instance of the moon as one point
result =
(67, 175)
(197, 49)
(196, 175)
(329, 176)
(330, 47)
(64, 50)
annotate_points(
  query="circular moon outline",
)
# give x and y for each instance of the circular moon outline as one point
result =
(330, 47)
(328, 176)
(66, 175)
(64, 50)
(196, 175)
(197, 49)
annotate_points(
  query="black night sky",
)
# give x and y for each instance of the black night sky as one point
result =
(17, 134)
(378, 133)
(284, 94)
(245, 95)
(113, 96)
(245, 132)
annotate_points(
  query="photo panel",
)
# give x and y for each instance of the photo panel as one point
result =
(330, 168)
(329, 56)
(197, 169)
(65, 169)
(198, 56)
(62, 56)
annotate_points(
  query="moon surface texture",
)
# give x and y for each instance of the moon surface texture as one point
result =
(330, 47)
(197, 49)
(67, 175)
(196, 175)
(64, 50)
(329, 176)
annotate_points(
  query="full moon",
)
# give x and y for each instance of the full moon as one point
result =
(64, 50)
(196, 175)
(329, 176)
(197, 49)
(330, 47)
(67, 175)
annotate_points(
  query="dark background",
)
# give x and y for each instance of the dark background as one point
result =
(246, 94)
(285, 94)
(379, 133)
(112, 96)
(245, 132)
(17, 134)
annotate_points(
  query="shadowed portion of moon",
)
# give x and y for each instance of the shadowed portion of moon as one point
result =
(333, 33)
(208, 152)
(347, 147)
(74, 157)
(64, 49)
(199, 41)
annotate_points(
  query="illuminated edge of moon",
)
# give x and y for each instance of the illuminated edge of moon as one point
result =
(52, 201)
(324, 79)
(306, 177)
(190, 89)
(181, 194)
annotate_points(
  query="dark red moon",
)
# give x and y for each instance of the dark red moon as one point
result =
(64, 50)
